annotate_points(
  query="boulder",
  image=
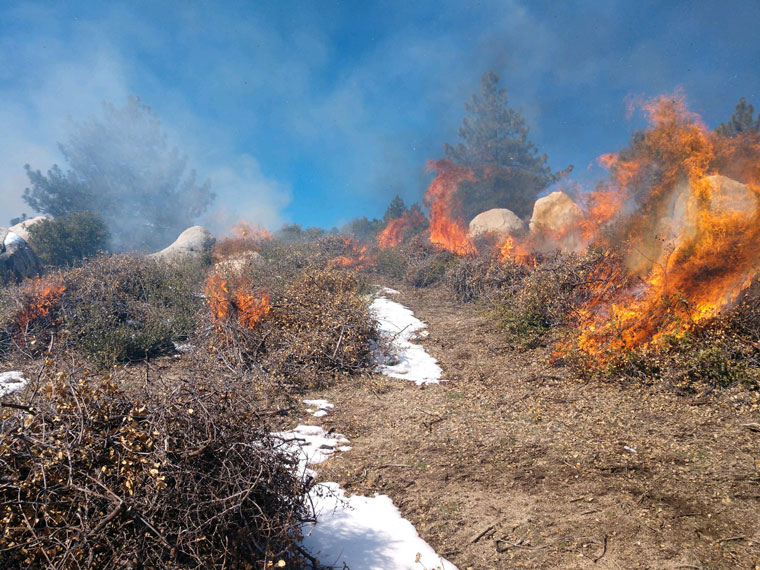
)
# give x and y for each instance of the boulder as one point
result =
(498, 221)
(554, 214)
(555, 224)
(22, 228)
(676, 219)
(17, 259)
(195, 240)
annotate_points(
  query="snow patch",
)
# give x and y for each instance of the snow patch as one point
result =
(10, 382)
(322, 407)
(409, 361)
(365, 533)
(310, 445)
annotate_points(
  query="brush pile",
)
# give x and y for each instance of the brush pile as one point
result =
(304, 331)
(97, 475)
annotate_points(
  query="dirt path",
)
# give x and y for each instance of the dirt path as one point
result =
(514, 464)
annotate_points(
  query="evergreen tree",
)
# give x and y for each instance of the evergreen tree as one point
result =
(395, 210)
(741, 122)
(122, 167)
(508, 170)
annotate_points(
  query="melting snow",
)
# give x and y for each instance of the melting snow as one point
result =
(365, 533)
(322, 407)
(409, 361)
(11, 382)
(310, 445)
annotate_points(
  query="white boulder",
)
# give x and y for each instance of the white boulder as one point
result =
(195, 240)
(497, 220)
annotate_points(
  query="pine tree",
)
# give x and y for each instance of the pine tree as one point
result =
(122, 167)
(508, 170)
(742, 121)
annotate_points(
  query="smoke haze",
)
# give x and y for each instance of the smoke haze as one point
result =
(319, 114)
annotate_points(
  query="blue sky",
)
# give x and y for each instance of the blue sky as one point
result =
(317, 112)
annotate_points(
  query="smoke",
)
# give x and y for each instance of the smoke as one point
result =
(345, 103)
(58, 76)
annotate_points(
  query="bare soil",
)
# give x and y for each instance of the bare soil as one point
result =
(514, 463)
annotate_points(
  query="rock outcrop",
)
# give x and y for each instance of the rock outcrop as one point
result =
(496, 221)
(195, 240)
(22, 228)
(17, 259)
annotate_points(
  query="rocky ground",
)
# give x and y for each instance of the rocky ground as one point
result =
(513, 463)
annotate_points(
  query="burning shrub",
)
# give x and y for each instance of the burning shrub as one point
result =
(719, 352)
(548, 295)
(318, 327)
(111, 309)
(182, 475)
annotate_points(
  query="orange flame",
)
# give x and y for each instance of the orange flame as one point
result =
(242, 238)
(398, 228)
(41, 298)
(359, 257)
(447, 229)
(249, 305)
(694, 241)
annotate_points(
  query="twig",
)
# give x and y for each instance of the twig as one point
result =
(604, 550)
(482, 534)
(731, 539)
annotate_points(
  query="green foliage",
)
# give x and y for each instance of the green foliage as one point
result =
(122, 167)
(109, 309)
(68, 239)
(22, 218)
(741, 122)
(509, 171)
(363, 228)
(391, 262)
(395, 209)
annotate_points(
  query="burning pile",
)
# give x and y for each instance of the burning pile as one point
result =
(40, 298)
(401, 227)
(250, 306)
(689, 237)
(357, 255)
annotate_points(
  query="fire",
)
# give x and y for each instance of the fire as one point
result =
(447, 228)
(398, 228)
(249, 305)
(41, 298)
(518, 252)
(242, 238)
(692, 244)
(359, 257)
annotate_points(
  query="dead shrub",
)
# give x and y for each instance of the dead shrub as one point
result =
(429, 269)
(185, 475)
(484, 277)
(317, 327)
